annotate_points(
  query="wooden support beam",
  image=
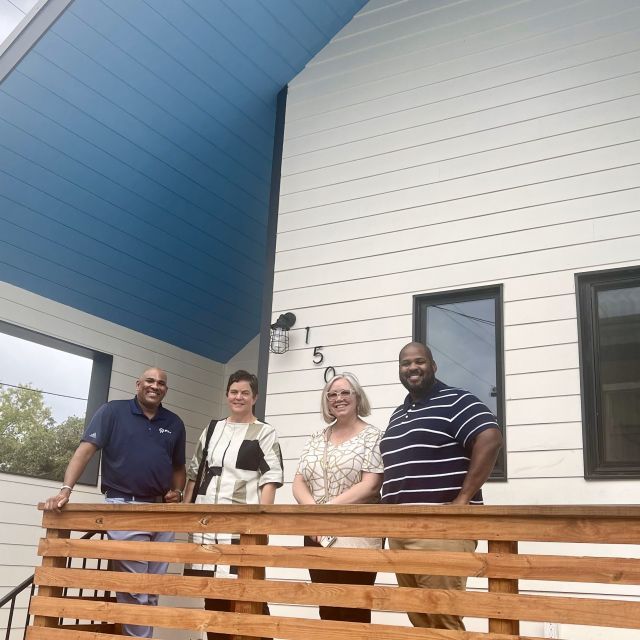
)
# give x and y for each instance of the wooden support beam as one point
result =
(51, 591)
(256, 607)
(503, 585)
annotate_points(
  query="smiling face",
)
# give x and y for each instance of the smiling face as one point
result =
(151, 388)
(342, 399)
(240, 400)
(417, 369)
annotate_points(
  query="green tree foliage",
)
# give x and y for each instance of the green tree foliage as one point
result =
(31, 443)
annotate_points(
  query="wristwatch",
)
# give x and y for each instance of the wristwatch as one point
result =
(181, 494)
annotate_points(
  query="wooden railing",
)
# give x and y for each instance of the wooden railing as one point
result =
(503, 565)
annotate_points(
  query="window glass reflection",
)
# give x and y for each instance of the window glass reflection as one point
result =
(43, 403)
(618, 339)
(462, 337)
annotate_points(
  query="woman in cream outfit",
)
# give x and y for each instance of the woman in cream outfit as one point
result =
(341, 464)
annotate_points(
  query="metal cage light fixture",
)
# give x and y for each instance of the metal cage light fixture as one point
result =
(279, 335)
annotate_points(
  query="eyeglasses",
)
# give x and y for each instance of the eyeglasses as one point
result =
(332, 396)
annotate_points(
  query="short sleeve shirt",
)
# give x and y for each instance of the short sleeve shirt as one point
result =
(247, 456)
(242, 457)
(426, 446)
(138, 454)
(345, 462)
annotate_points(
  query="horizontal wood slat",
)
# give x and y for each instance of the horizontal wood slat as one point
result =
(608, 613)
(245, 624)
(616, 525)
(492, 565)
(75, 632)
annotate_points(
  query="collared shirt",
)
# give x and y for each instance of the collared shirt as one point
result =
(138, 454)
(425, 448)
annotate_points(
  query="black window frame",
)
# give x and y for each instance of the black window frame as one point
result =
(99, 383)
(423, 300)
(587, 285)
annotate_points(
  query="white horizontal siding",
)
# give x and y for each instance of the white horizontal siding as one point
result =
(365, 77)
(437, 145)
(195, 392)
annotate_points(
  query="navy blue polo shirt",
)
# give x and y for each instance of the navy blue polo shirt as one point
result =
(138, 454)
(425, 449)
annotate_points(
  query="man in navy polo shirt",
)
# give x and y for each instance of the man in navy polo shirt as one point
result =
(439, 448)
(143, 460)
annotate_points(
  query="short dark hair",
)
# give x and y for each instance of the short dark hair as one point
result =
(427, 350)
(242, 375)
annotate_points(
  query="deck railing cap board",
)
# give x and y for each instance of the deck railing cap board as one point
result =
(592, 511)
(597, 524)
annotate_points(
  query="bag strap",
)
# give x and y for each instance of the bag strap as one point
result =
(327, 435)
(203, 460)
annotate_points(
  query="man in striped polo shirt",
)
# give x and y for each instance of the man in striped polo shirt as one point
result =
(439, 448)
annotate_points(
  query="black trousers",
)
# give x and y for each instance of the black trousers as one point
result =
(345, 614)
(213, 604)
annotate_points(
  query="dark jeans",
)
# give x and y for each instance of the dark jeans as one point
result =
(212, 604)
(345, 614)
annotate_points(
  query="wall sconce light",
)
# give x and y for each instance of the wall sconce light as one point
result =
(279, 336)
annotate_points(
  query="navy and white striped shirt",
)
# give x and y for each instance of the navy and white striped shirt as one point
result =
(424, 449)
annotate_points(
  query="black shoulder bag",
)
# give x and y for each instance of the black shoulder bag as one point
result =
(203, 460)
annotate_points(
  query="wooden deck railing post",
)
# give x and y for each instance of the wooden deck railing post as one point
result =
(503, 585)
(254, 573)
(55, 592)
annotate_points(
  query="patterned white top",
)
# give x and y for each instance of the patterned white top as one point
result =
(345, 462)
(242, 457)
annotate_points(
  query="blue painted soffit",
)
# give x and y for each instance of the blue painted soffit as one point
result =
(135, 159)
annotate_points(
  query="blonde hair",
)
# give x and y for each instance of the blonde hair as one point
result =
(363, 408)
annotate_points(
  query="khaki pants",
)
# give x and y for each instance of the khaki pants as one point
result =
(433, 620)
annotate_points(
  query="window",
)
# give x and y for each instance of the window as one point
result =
(464, 331)
(609, 323)
(48, 390)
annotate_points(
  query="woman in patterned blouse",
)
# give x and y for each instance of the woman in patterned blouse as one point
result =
(341, 464)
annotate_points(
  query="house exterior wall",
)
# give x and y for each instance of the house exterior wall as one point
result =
(195, 391)
(436, 146)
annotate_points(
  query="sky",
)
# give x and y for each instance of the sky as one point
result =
(11, 13)
(50, 370)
